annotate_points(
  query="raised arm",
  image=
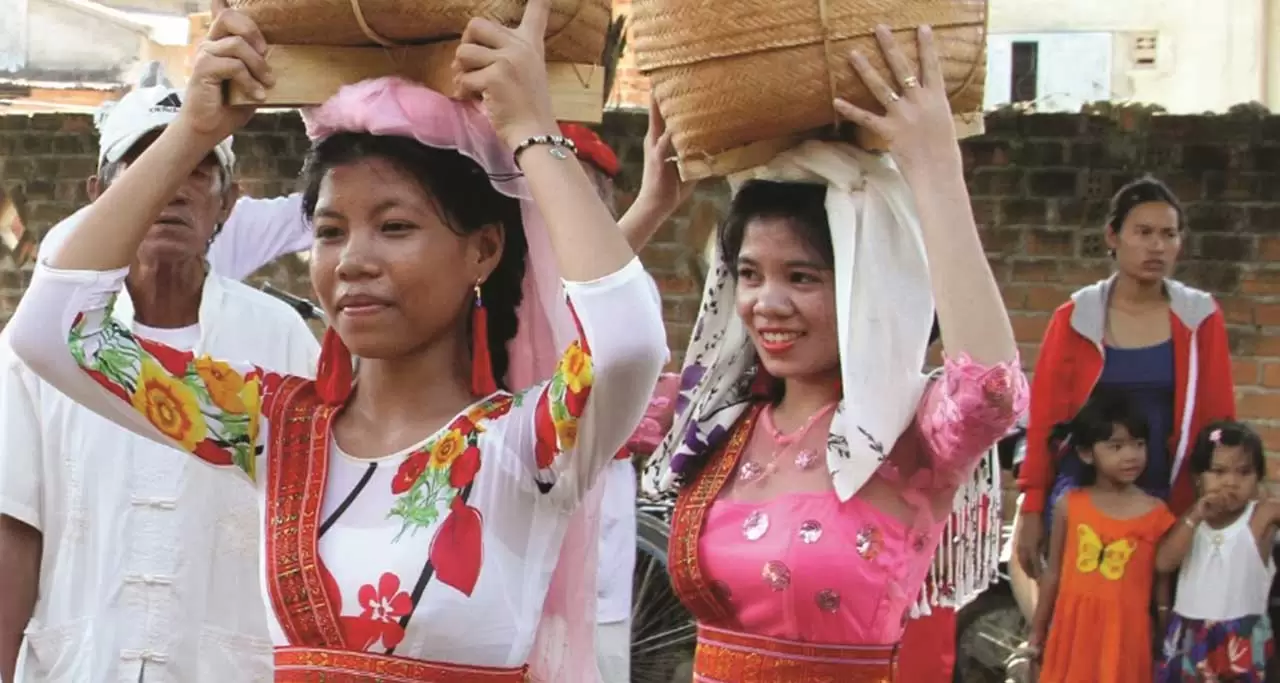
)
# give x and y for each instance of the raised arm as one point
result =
(599, 392)
(965, 411)
(576, 422)
(921, 137)
(661, 189)
(63, 329)
(506, 69)
(259, 231)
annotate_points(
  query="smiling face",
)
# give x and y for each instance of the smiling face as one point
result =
(390, 272)
(786, 298)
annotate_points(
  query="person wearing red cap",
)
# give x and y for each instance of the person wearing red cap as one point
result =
(661, 192)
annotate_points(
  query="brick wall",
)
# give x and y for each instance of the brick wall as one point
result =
(1040, 186)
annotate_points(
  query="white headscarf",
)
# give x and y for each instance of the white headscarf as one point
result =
(884, 312)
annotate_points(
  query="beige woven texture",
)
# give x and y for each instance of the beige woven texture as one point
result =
(727, 73)
(575, 31)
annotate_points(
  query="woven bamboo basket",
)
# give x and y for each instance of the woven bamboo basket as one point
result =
(575, 32)
(731, 74)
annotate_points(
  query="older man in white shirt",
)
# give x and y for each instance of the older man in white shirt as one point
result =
(145, 561)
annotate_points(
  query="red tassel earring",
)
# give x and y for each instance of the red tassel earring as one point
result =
(334, 375)
(482, 382)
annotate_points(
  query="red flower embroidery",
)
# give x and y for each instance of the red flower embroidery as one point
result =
(210, 452)
(108, 384)
(409, 471)
(546, 443)
(382, 607)
(457, 551)
(172, 360)
(464, 469)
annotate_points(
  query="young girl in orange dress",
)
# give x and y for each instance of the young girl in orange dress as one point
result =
(1093, 621)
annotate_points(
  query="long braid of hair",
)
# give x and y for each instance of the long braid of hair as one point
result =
(503, 293)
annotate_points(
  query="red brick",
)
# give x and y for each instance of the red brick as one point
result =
(1271, 440)
(1236, 310)
(1042, 270)
(1015, 297)
(1256, 405)
(1028, 327)
(1046, 298)
(1269, 248)
(1080, 274)
(1266, 314)
(1260, 282)
(1029, 353)
(1270, 375)
(1244, 372)
(1266, 346)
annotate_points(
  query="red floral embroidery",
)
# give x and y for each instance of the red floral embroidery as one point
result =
(173, 361)
(457, 551)
(213, 453)
(563, 400)
(409, 471)
(464, 469)
(107, 384)
(381, 609)
(441, 471)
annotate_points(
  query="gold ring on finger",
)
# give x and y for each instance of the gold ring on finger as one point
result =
(911, 82)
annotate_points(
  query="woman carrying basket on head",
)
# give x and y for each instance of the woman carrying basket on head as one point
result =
(414, 510)
(816, 465)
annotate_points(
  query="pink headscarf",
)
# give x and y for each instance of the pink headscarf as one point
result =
(564, 648)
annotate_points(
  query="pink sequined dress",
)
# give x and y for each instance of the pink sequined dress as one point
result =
(792, 562)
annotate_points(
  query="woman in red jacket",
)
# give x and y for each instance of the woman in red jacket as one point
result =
(1159, 339)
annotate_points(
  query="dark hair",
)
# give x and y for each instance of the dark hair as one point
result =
(1096, 422)
(936, 332)
(803, 203)
(1230, 433)
(1141, 191)
(467, 201)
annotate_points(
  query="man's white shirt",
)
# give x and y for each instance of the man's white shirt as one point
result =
(149, 569)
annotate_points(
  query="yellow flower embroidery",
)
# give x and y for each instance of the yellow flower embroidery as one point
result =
(169, 404)
(224, 384)
(567, 432)
(251, 400)
(448, 448)
(575, 368)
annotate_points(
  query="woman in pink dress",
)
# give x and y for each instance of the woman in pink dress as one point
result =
(815, 463)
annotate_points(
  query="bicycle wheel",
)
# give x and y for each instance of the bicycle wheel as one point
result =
(663, 635)
(989, 632)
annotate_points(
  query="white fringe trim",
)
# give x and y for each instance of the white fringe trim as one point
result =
(968, 558)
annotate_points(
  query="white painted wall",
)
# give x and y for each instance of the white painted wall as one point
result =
(65, 38)
(13, 35)
(1212, 55)
(1072, 69)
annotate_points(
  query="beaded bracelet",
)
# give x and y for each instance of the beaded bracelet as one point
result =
(558, 145)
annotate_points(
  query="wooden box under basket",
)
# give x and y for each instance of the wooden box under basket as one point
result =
(739, 80)
(575, 31)
(308, 74)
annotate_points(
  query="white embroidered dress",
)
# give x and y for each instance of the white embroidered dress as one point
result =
(443, 552)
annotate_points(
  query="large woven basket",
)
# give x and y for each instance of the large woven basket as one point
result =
(575, 32)
(731, 73)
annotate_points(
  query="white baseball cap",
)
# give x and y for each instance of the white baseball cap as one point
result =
(151, 106)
